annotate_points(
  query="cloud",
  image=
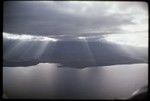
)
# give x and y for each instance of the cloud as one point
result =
(62, 17)
(27, 37)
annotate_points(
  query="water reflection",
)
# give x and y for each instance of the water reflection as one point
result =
(46, 80)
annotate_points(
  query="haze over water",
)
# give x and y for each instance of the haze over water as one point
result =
(46, 80)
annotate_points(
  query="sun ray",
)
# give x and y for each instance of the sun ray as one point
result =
(88, 49)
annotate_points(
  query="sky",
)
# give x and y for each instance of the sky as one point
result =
(72, 17)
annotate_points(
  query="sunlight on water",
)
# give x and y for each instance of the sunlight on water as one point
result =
(46, 80)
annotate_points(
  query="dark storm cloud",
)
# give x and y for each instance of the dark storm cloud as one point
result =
(55, 18)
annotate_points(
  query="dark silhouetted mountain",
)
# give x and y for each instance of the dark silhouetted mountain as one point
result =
(76, 54)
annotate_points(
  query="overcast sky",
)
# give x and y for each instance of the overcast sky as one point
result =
(70, 17)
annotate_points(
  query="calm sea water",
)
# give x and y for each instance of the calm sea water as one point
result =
(46, 81)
